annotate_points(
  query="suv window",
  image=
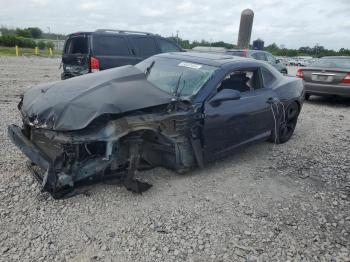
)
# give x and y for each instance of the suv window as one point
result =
(145, 46)
(166, 46)
(270, 58)
(268, 77)
(76, 45)
(110, 45)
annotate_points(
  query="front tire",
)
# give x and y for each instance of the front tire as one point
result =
(286, 123)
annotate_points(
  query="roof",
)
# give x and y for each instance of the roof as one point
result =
(212, 59)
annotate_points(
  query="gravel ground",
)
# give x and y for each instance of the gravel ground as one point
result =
(286, 202)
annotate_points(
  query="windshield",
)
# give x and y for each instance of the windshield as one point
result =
(332, 63)
(174, 76)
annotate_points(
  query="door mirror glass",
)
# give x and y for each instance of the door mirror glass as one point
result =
(225, 95)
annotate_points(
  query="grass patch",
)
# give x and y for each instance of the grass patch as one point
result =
(10, 51)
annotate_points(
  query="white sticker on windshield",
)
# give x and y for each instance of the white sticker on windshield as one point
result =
(190, 65)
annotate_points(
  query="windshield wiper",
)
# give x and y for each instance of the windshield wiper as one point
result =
(148, 69)
(177, 86)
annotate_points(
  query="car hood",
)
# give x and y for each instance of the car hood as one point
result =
(72, 104)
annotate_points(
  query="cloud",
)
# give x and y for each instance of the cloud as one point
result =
(292, 23)
(40, 3)
(151, 12)
(185, 7)
(88, 6)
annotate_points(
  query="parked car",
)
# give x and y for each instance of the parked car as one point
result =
(88, 52)
(260, 55)
(327, 76)
(175, 110)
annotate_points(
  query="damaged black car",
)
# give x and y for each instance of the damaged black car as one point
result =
(174, 110)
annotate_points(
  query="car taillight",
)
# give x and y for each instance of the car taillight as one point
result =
(346, 79)
(300, 74)
(94, 64)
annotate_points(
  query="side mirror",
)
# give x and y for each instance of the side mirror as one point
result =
(225, 95)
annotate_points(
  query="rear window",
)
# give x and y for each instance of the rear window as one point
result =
(332, 62)
(145, 46)
(260, 56)
(110, 46)
(76, 45)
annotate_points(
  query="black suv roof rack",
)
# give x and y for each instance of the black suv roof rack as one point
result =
(122, 31)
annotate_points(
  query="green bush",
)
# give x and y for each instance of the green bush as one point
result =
(8, 40)
(11, 41)
(41, 45)
(50, 45)
(25, 42)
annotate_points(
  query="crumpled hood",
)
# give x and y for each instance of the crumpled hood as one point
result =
(72, 104)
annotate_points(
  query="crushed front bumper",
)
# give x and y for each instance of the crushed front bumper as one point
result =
(48, 179)
(58, 183)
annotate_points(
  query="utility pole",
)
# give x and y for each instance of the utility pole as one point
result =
(177, 36)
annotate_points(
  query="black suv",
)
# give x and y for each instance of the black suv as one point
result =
(88, 52)
(260, 55)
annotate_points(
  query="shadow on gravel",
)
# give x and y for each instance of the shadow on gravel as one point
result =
(329, 101)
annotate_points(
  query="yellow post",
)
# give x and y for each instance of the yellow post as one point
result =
(17, 51)
(36, 50)
(50, 50)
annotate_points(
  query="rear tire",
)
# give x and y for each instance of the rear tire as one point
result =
(286, 124)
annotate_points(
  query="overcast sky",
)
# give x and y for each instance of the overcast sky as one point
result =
(293, 23)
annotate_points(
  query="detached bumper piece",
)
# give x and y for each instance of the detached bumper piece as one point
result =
(61, 185)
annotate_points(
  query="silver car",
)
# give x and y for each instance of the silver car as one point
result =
(327, 76)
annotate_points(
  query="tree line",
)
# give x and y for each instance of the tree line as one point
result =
(316, 51)
(26, 37)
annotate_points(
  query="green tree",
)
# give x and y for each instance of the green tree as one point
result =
(35, 32)
(41, 45)
(23, 33)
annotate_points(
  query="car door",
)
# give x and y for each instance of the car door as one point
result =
(232, 123)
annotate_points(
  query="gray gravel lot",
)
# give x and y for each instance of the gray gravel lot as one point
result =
(286, 202)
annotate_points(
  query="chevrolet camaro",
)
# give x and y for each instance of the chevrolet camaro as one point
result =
(174, 110)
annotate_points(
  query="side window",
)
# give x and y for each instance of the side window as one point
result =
(261, 56)
(268, 77)
(167, 46)
(242, 81)
(110, 45)
(271, 59)
(145, 46)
